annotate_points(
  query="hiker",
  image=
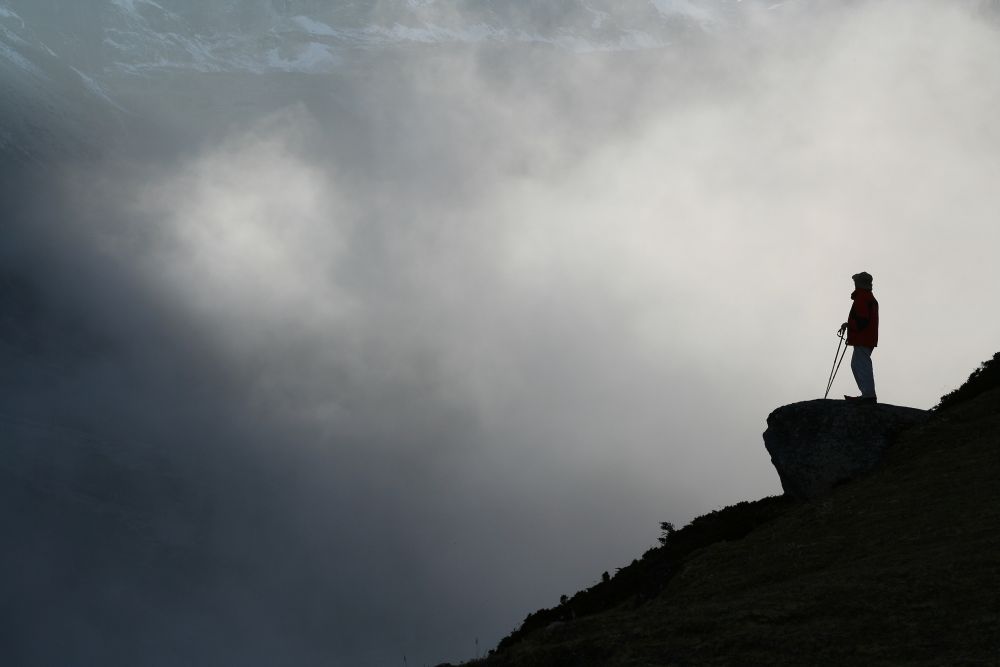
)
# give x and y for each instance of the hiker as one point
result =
(862, 334)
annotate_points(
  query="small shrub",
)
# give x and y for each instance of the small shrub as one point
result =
(668, 530)
(984, 378)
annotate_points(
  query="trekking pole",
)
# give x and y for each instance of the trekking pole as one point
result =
(836, 363)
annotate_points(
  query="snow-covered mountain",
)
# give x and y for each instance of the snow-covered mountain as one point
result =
(107, 37)
(138, 36)
(64, 66)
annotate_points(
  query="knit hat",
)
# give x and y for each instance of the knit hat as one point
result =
(863, 279)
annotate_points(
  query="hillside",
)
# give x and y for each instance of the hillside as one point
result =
(900, 567)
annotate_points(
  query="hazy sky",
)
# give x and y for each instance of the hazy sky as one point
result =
(423, 346)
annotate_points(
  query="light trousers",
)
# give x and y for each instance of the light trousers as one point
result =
(864, 375)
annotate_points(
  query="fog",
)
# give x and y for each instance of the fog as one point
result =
(384, 359)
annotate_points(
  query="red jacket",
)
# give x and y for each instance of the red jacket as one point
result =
(862, 323)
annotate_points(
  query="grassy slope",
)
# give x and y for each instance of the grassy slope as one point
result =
(902, 567)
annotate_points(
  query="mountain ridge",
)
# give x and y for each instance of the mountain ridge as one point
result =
(135, 37)
(894, 568)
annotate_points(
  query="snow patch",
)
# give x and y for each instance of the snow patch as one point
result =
(130, 5)
(685, 8)
(631, 40)
(96, 88)
(9, 14)
(314, 27)
(23, 63)
(431, 33)
(637, 40)
(10, 36)
(600, 18)
(313, 57)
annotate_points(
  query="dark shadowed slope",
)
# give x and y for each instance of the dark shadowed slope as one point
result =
(900, 567)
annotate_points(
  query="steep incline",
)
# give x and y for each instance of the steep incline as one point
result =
(898, 568)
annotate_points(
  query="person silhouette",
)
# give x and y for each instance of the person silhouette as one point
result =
(862, 334)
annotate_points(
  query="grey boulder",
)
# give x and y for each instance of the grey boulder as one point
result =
(815, 445)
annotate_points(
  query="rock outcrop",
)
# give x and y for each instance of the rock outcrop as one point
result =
(818, 444)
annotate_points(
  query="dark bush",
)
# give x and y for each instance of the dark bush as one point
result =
(668, 529)
(984, 378)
